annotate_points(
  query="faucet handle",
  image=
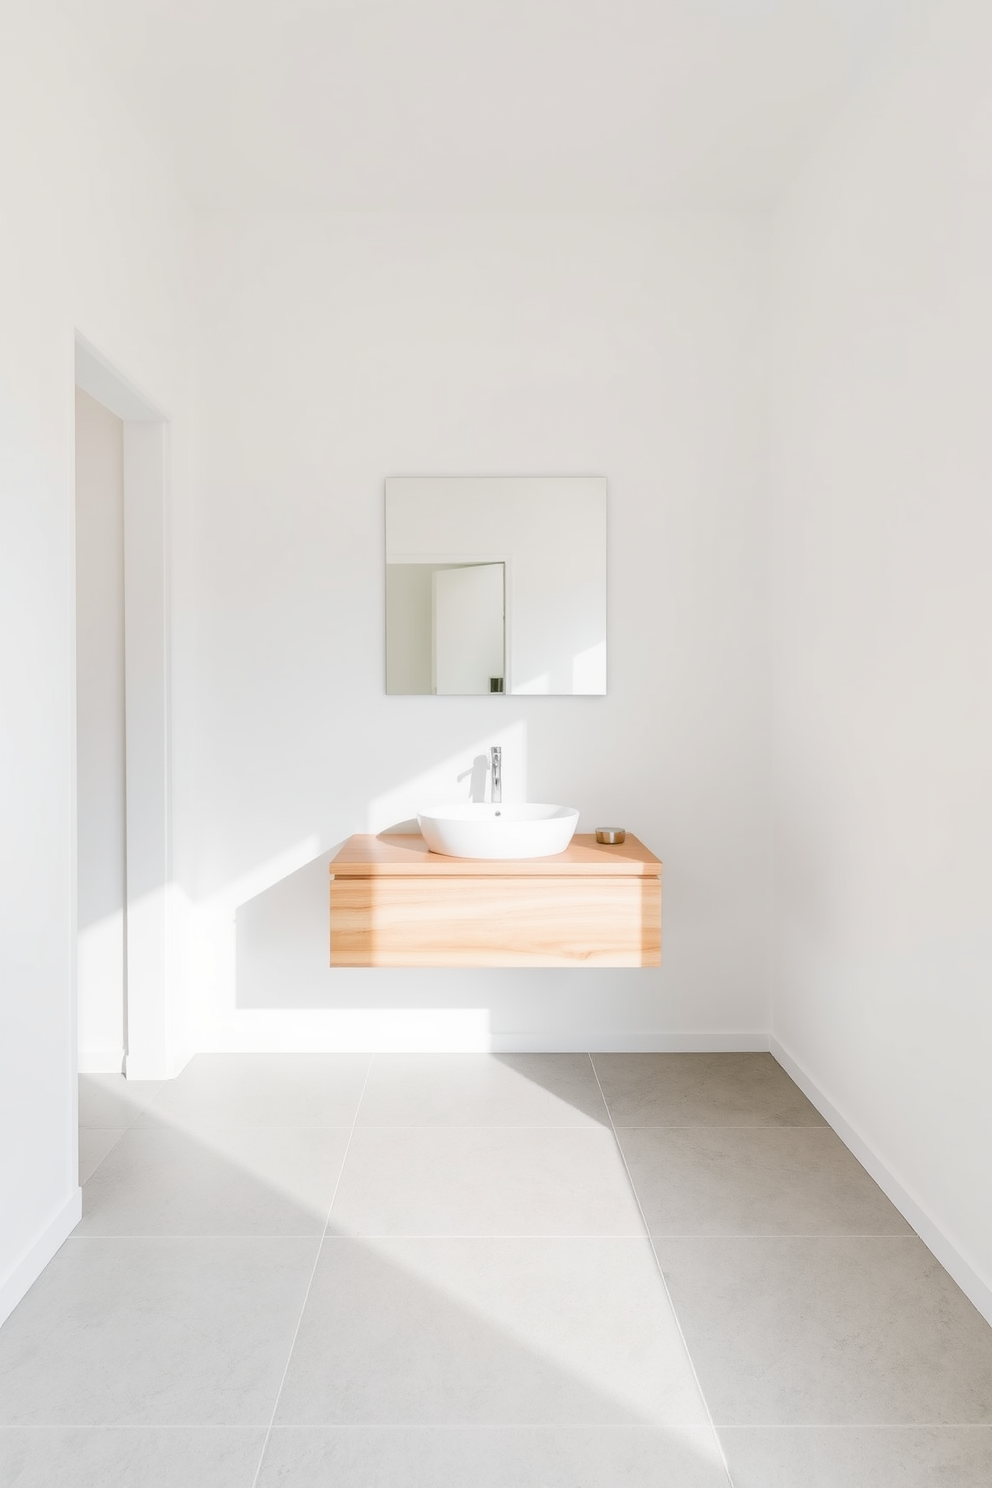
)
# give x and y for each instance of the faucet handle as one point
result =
(496, 765)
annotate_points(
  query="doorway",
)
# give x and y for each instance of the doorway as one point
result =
(101, 847)
(122, 795)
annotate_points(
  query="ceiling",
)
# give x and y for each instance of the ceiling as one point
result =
(485, 104)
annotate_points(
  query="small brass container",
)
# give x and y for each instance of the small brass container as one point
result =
(611, 834)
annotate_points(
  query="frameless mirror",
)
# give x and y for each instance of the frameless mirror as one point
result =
(496, 584)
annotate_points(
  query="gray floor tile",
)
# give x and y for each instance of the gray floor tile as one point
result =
(493, 1457)
(707, 1180)
(489, 1332)
(860, 1457)
(830, 1344)
(154, 1332)
(110, 1100)
(262, 1090)
(482, 1090)
(484, 1181)
(94, 1144)
(829, 1331)
(224, 1181)
(701, 1090)
(129, 1457)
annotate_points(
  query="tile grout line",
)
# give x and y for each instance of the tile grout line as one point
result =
(195, 1132)
(313, 1273)
(617, 1426)
(856, 1426)
(511, 1235)
(661, 1275)
(768, 1126)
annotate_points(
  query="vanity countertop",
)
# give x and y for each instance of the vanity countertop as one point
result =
(397, 854)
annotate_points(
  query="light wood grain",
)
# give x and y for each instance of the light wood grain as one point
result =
(397, 854)
(471, 920)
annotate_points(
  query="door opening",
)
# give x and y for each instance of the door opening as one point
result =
(101, 874)
(122, 800)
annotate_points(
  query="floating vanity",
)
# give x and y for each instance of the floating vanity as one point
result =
(396, 903)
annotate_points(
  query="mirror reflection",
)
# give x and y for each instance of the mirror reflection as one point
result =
(496, 584)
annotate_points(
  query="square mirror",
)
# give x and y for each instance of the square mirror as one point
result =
(496, 584)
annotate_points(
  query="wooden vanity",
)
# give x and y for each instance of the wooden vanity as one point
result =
(395, 903)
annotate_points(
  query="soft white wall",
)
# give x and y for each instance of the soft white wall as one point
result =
(882, 556)
(100, 836)
(92, 237)
(338, 350)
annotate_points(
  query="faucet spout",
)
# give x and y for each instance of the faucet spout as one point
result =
(496, 757)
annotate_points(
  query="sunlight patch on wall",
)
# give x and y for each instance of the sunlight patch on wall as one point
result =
(264, 875)
(100, 994)
(454, 779)
(358, 1030)
(589, 670)
(207, 929)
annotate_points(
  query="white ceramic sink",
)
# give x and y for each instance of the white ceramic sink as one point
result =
(498, 831)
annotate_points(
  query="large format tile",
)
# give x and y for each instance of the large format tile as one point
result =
(94, 1144)
(129, 1457)
(110, 1100)
(262, 1090)
(829, 1331)
(771, 1180)
(859, 1456)
(154, 1332)
(493, 1457)
(489, 1332)
(484, 1181)
(226, 1181)
(701, 1090)
(482, 1090)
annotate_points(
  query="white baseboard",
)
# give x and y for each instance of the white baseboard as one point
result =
(974, 1286)
(156, 1068)
(101, 1061)
(309, 1037)
(36, 1258)
(161, 1066)
(628, 1043)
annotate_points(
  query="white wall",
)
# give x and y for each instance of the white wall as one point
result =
(337, 351)
(90, 237)
(100, 831)
(882, 556)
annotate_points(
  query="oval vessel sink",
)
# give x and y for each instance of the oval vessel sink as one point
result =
(489, 830)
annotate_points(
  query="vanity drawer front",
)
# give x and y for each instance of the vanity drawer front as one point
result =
(498, 921)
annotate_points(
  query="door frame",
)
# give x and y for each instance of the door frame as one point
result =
(149, 1044)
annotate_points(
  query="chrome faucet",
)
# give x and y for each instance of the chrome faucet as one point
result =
(496, 756)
